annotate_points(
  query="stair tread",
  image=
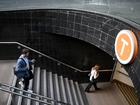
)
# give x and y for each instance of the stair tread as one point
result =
(55, 87)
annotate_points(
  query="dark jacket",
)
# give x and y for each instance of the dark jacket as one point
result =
(21, 69)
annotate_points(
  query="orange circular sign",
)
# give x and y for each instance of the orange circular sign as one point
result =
(126, 46)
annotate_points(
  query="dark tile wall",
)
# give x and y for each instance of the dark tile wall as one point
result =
(97, 29)
(9, 51)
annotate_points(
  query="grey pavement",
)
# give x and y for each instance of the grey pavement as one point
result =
(6, 76)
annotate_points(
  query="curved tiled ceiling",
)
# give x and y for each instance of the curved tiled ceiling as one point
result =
(121, 8)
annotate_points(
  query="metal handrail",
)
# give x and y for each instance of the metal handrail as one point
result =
(42, 54)
(4, 87)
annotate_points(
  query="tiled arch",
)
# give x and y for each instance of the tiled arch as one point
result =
(98, 29)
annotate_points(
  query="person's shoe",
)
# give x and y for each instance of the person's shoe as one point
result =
(86, 90)
(30, 91)
(97, 89)
(21, 84)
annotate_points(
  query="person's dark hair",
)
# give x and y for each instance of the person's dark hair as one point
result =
(25, 51)
(97, 65)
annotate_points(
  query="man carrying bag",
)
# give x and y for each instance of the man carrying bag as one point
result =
(23, 69)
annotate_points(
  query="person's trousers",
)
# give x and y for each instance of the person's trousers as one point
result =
(27, 79)
(94, 83)
(26, 83)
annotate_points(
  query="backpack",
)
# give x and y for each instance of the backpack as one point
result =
(24, 74)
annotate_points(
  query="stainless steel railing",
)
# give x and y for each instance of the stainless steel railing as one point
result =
(10, 89)
(49, 57)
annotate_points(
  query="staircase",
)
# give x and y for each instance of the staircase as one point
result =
(53, 86)
(128, 92)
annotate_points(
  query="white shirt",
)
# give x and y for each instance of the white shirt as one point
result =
(94, 74)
